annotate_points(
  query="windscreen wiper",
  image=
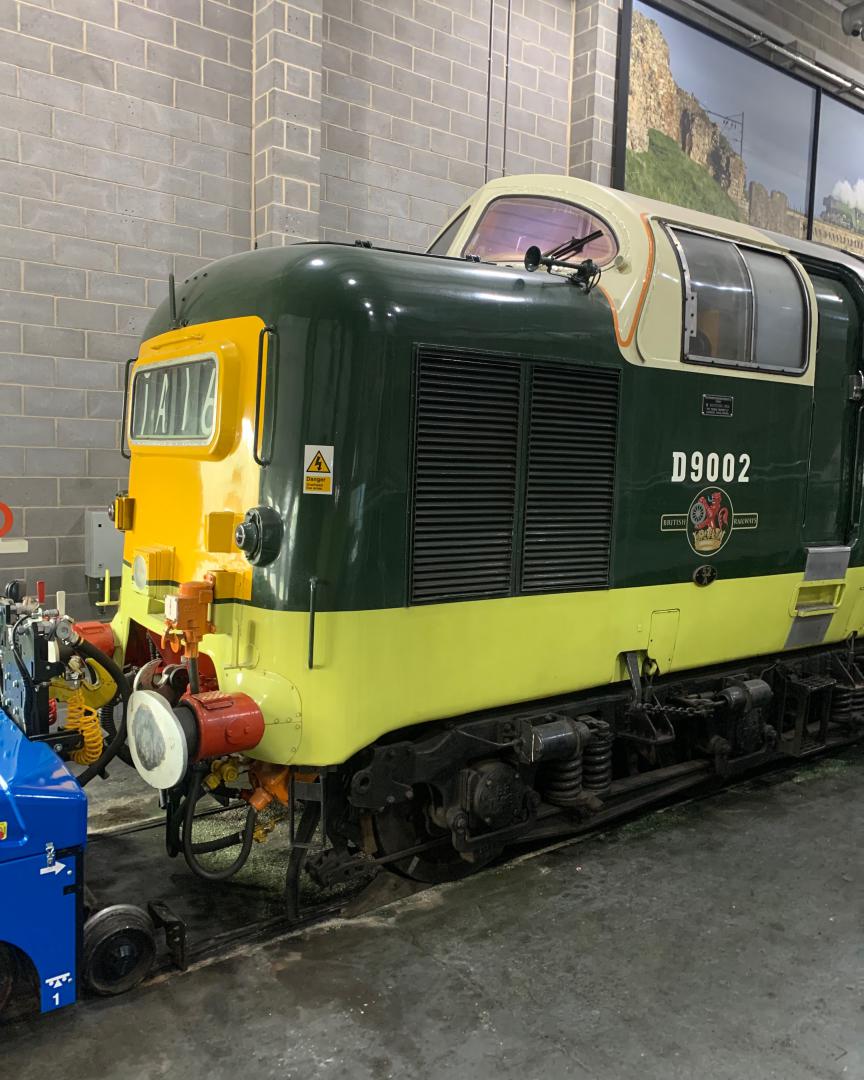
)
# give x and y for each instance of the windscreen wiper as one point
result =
(585, 276)
(557, 256)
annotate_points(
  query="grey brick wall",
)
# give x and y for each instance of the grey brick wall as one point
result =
(811, 26)
(124, 155)
(595, 50)
(287, 124)
(405, 131)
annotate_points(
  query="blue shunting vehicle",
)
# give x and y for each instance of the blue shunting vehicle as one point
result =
(43, 832)
(54, 940)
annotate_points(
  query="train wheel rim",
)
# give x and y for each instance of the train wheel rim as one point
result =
(406, 825)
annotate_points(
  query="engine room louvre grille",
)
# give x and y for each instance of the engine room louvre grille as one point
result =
(465, 469)
(570, 480)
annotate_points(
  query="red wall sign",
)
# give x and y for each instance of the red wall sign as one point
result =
(6, 519)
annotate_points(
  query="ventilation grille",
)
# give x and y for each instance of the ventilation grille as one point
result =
(570, 479)
(465, 468)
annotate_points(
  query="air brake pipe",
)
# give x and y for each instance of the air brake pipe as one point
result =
(83, 647)
(657, 776)
(191, 850)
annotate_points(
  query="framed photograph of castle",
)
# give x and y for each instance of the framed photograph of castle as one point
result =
(713, 127)
(838, 205)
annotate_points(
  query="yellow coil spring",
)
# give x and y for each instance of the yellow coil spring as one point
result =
(80, 717)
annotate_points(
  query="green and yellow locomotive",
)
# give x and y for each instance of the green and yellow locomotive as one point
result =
(461, 547)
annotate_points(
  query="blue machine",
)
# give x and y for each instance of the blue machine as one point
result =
(43, 831)
(49, 938)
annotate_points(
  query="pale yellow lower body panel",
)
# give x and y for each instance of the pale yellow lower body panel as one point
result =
(377, 671)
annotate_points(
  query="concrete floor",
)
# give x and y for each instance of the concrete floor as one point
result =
(120, 800)
(719, 940)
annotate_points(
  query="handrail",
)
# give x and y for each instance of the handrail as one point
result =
(124, 446)
(271, 384)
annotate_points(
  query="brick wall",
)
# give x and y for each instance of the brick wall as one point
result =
(124, 155)
(405, 132)
(595, 49)
(810, 26)
(287, 134)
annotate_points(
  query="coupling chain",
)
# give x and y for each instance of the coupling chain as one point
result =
(688, 711)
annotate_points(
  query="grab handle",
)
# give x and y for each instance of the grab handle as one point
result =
(267, 332)
(124, 442)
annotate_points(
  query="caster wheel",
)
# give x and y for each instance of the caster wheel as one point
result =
(119, 949)
(19, 988)
(7, 976)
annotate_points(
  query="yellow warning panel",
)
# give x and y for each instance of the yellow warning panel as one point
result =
(318, 464)
(318, 470)
(4, 830)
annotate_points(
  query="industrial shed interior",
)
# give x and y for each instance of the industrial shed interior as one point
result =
(431, 538)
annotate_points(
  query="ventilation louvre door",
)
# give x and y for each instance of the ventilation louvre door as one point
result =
(465, 468)
(570, 479)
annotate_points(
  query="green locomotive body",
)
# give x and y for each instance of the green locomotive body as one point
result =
(508, 539)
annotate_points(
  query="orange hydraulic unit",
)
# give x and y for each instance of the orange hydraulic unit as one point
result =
(187, 616)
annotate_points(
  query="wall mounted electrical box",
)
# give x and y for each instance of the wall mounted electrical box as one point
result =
(103, 545)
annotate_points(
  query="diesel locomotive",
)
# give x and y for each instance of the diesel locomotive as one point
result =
(445, 550)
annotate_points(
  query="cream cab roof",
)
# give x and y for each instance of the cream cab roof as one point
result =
(643, 285)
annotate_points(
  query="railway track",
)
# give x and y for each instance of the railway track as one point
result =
(253, 916)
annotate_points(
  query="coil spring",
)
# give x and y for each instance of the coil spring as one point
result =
(847, 705)
(562, 782)
(597, 759)
(80, 717)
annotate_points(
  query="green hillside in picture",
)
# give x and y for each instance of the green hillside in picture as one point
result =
(665, 172)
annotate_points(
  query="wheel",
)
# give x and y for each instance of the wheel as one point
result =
(407, 825)
(19, 987)
(119, 949)
(7, 975)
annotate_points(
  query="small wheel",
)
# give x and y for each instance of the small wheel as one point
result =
(7, 975)
(119, 949)
(19, 987)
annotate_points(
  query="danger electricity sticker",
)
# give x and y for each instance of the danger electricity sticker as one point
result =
(4, 830)
(318, 470)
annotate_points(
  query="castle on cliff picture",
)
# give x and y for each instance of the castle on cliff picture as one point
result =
(716, 129)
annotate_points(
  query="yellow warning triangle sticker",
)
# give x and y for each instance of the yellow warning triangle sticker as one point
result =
(317, 464)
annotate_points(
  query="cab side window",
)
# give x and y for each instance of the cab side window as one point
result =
(441, 245)
(742, 307)
(781, 326)
(720, 294)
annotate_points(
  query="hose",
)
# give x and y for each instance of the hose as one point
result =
(81, 718)
(114, 747)
(190, 850)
